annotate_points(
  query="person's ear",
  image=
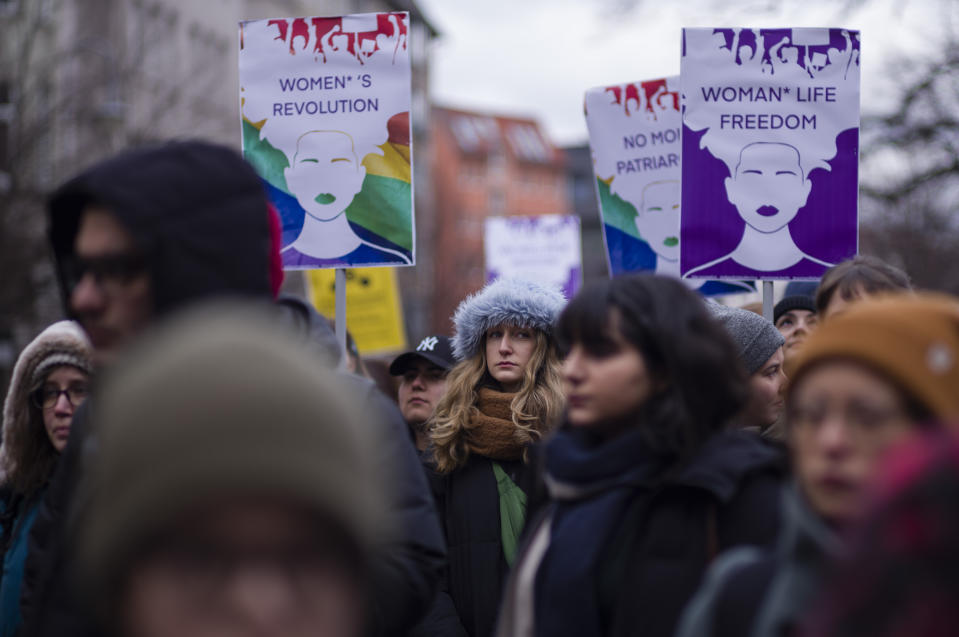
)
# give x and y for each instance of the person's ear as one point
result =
(731, 190)
(806, 189)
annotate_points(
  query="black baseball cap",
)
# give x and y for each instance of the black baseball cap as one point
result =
(436, 349)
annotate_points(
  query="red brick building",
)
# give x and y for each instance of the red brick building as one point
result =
(484, 165)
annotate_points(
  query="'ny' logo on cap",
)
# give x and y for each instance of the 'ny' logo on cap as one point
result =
(427, 344)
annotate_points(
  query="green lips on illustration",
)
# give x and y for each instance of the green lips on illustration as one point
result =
(325, 198)
(671, 242)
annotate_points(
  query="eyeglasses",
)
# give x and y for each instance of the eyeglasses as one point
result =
(115, 269)
(858, 416)
(47, 397)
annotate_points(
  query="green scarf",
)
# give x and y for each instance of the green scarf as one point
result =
(512, 512)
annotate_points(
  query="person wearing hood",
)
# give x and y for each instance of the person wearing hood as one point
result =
(503, 395)
(646, 483)
(50, 381)
(760, 347)
(135, 239)
(866, 380)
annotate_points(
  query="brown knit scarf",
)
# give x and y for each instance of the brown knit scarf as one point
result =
(491, 431)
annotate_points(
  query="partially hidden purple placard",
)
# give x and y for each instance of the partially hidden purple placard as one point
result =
(770, 152)
(542, 248)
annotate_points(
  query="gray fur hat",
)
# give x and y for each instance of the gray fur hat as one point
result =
(755, 337)
(504, 301)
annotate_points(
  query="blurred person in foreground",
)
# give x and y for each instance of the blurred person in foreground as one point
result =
(263, 499)
(646, 481)
(138, 238)
(866, 380)
(760, 347)
(50, 381)
(901, 575)
(855, 279)
(422, 373)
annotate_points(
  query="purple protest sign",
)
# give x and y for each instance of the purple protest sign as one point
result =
(770, 152)
(541, 248)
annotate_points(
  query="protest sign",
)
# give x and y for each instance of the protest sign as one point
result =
(325, 113)
(770, 151)
(634, 134)
(374, 312)
(543, 248)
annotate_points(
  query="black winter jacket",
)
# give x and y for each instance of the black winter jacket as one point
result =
(199, 214)
(468, 504)
(671, 528)
(766, 592)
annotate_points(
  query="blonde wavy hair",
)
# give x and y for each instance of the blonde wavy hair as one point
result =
(536, 407)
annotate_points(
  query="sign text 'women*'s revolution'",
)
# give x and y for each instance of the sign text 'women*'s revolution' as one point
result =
(325, 112)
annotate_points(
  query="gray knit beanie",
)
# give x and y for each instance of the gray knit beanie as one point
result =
(219, 403)
(505, 301)
(755, 337)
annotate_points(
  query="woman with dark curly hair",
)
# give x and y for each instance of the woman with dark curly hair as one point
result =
(646, 483)
(49, 382)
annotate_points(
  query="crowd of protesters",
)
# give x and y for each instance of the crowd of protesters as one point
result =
(191, 454)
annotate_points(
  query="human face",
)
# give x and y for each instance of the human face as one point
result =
(58, 417)
(113, 304)
(421, 387)
(768, 188)
(605, 390)
(325, 174)
(658, 221)
(508, 350)
(243, 567)
(765, 404)
(795, 326)
(838, 304)
(842, 417)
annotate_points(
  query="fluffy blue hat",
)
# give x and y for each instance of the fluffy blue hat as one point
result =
(504, 301)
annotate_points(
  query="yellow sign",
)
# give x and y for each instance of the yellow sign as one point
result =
(374, 314)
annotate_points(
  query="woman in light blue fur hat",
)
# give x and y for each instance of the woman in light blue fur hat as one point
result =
(504, 394)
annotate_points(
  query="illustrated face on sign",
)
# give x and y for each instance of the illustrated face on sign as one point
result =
(768, 186)
(325, 174)
(658, 218)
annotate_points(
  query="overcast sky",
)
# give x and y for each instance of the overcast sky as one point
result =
(538, 57)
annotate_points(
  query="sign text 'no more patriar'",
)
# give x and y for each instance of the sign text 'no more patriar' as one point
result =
(325, 107)
(634, 135)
